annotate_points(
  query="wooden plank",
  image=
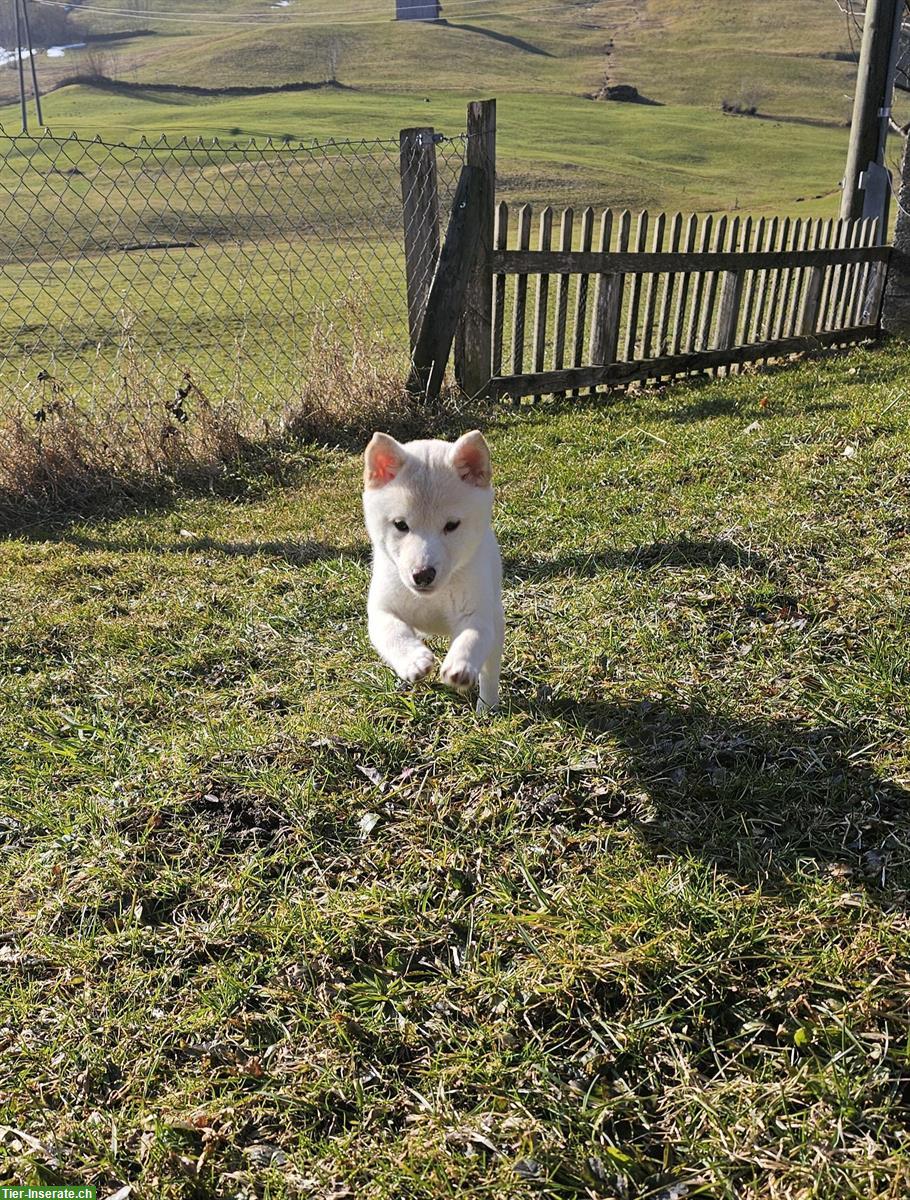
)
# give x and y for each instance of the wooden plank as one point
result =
(706, 320)
(612, 315)
(474, 346)
(849, 280)
(768, 331)
(808, 317)
(642, 262)
(650, 285)
(861, 281)
(763, 283)
(699, 286)
(789, 326)
(521, 294)
(872, 303)
(731, 293)
(581, 292)
(541, 299)
(562, 292)
(601, 295)
(831, 286)
(445, 303)
(641, 234)
(420, 212)
(501, 240)
(750, 287)
(680, 315)
(786, 283)
(666, 300)
(619, 373)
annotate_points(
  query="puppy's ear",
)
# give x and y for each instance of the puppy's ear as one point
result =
(471, 459)
(382, 460)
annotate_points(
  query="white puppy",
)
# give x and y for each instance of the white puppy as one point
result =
(436, 564)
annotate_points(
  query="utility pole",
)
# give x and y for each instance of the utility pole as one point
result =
(22, 103)
(31, 59)
(865, 190)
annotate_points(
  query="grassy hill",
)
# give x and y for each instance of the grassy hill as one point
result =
(557, 143)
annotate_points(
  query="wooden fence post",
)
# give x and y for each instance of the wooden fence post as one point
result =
(474, 342)
(445, 302)
(731, 294)
(420, 203)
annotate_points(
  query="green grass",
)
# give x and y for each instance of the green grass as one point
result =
(556, 146)
(274, 926)
(552, 149)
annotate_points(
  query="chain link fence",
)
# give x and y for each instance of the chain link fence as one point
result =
(139, 280)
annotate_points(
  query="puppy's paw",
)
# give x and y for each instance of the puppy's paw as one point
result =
(418, 666)
(457, 672)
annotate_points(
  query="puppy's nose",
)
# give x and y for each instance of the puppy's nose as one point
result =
(424, 578)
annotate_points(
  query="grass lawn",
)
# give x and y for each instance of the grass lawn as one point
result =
(552, 148)
(272, 926)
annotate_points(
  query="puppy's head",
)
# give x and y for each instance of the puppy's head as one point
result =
(427, 505)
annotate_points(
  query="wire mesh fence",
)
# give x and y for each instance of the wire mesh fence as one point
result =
(139, 279)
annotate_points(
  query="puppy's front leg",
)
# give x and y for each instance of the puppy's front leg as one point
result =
(469, 650)
(400, 646)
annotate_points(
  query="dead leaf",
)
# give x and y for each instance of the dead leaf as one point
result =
(367, 824)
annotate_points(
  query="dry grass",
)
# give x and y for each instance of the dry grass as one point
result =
(66, 449)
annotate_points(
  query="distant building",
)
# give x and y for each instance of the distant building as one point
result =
(417, 10)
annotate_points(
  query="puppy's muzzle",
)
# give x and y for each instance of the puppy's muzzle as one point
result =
(424, 579)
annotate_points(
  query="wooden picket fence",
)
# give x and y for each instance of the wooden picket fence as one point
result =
(604, 300)
(616, 300)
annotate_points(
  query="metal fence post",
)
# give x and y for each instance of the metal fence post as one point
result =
(474, 344)
(420, 204)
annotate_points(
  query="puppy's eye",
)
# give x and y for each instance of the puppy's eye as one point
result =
(401, 526)
(450, 526)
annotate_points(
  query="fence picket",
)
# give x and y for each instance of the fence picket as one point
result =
(809, 315)
(749, 291)
(699, 286)
(786, 283)
(768, 332)
(521, 294)
(872, 301)
(684, 279)
(500, 241)
(861, 287)
(641, 234)
(651, 286)
(666, 300)
(731, 293)
(542, 296)
(705, 323)
(849, 279)
(612, 316)
(562, 292)
(601, 295)
(581, 293)
(791, 318)
(840, 234)
(763, 283)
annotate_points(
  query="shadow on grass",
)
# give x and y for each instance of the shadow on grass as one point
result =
(506, 39)
(763, 800)
(681, 552)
